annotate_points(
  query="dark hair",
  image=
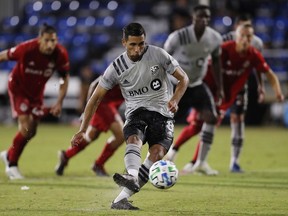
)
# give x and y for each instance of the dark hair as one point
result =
(200, 7)
(133, 29)
(45, 28)
(243, 17)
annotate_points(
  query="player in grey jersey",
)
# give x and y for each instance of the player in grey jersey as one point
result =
(238, 109)
(192, 46)
(142, 74)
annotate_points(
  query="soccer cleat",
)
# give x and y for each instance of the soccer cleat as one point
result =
(63, 162)
(99, 170)
(171, 155)
(201, 167)
(128, 181)
(187, 169)
(4, 158)
(13, 173)
(235, 168)
(123, 204)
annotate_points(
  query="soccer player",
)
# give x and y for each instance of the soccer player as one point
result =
(192, 46)
(237, 110)
(239, 59)
(37, 60)
(105, 118)
(142, 74)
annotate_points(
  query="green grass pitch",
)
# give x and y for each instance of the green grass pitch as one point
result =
(261, 190)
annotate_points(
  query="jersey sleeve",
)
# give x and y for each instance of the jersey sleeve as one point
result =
(167, 61)
(109, 78)
(15, 53)
(259, 62)
(218, 41)
(172, 43)
(63, 66)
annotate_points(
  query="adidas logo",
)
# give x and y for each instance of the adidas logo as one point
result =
(126, 82)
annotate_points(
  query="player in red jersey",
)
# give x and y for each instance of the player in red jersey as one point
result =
(238, 60)
(37, 60)
(105, 118)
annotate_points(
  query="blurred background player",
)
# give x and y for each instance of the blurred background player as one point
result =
(239, 59)
(238, 109)
(37, 60)
(105, 118)
(192, 47)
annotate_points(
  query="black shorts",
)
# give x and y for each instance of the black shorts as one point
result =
(199, 98)
(240, 104)
(150, 127)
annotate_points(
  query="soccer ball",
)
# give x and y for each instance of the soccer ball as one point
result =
(163, 174)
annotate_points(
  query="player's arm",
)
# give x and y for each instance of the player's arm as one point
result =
(274, 81)
(90, 109)
(180, 89)
(4, 55)
(216, 64)
(92, 87)
(63, 86)
(260, 87)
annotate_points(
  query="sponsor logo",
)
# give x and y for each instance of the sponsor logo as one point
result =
(138, 91)
(156, 84)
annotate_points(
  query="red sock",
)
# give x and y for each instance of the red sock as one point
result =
(72, 151)
(16, 149)
(188, 132)
(106, 153)
(195, 156)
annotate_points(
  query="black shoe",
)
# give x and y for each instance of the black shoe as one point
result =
(99, 170)
(63, 162)
(128, 181)
(123, 204)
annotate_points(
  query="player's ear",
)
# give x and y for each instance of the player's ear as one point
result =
(124, 42)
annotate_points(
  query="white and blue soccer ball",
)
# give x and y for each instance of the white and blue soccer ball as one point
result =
(163, 174)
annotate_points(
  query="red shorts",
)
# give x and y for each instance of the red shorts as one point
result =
(106, 114)
(22, 105)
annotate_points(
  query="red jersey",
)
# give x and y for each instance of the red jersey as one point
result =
(236, 70)
(113, 95)
(33, 68)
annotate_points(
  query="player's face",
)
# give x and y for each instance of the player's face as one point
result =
(135, 46)
(244, 37)
(201, 18)
(48, 42)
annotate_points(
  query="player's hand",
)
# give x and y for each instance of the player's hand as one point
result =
(77, 139)
(261, 95)
(280, 97)
(172, 106)
(56, 110)
(220, 95)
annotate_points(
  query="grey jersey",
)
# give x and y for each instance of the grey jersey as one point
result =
(193, 55)
(256, 41)
(143, 83)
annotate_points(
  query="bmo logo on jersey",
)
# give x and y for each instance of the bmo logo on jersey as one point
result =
(156, 84)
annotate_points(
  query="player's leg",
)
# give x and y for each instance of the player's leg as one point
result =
(110, 147)
(237, 124)
(209, 115)
(27, 129)
(194, 127)
(160, 130)
(65, 155)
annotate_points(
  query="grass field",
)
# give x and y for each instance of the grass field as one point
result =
(261, 190)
